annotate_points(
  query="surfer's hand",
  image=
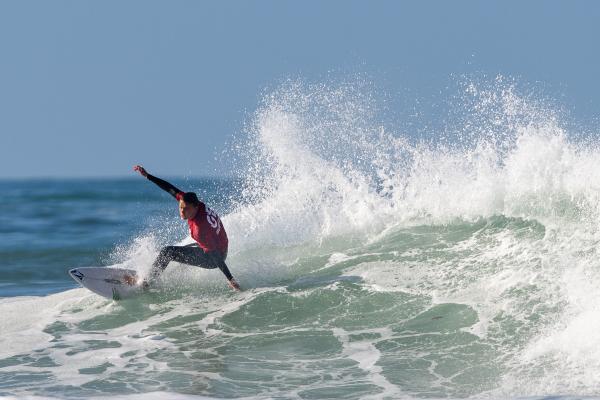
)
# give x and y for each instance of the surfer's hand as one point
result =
(141, 170)
(234, 285)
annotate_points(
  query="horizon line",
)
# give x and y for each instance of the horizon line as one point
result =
(100, 177)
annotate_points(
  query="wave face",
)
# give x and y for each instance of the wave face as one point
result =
(376, 265)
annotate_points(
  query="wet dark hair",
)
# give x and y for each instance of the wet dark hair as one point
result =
(190, 198)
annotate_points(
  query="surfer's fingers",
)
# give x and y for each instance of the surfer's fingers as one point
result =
(234, 285)
(140, 169)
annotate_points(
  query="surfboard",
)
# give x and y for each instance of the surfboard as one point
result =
(112, 283)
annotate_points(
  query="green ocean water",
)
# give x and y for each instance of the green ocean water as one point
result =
(426, 311)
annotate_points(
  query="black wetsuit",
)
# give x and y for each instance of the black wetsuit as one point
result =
(209, 252)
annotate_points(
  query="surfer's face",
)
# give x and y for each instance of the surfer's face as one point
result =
(186, 210)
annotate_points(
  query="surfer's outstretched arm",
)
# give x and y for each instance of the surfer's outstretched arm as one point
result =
(164, 185)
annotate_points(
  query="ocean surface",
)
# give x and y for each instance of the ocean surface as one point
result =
(376, 264)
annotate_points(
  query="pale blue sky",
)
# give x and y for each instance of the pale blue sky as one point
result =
(88, 88)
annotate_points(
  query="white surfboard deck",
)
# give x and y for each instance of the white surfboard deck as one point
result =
(107, 282)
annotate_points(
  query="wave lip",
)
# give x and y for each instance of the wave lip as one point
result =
(319, 164)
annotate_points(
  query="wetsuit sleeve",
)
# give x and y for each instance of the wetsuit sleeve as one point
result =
(225, 270)
(166, 186)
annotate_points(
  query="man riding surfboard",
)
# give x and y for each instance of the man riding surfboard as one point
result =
(211, 243)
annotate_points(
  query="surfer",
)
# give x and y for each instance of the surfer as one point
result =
(210, 249)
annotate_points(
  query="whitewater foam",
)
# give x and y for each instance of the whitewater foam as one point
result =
(24, 319)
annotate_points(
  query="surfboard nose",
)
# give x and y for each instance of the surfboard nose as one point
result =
(76, 274)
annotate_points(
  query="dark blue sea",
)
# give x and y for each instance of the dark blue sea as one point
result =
(51, 225)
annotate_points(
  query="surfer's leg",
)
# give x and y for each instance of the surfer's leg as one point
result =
(192, 255)
(198, 258)
(166, 255)
(189, 254)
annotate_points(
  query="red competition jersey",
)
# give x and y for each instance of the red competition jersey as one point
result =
(206, 229)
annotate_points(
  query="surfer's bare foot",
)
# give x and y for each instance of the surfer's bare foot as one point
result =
(130, 280)
(234, 285)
